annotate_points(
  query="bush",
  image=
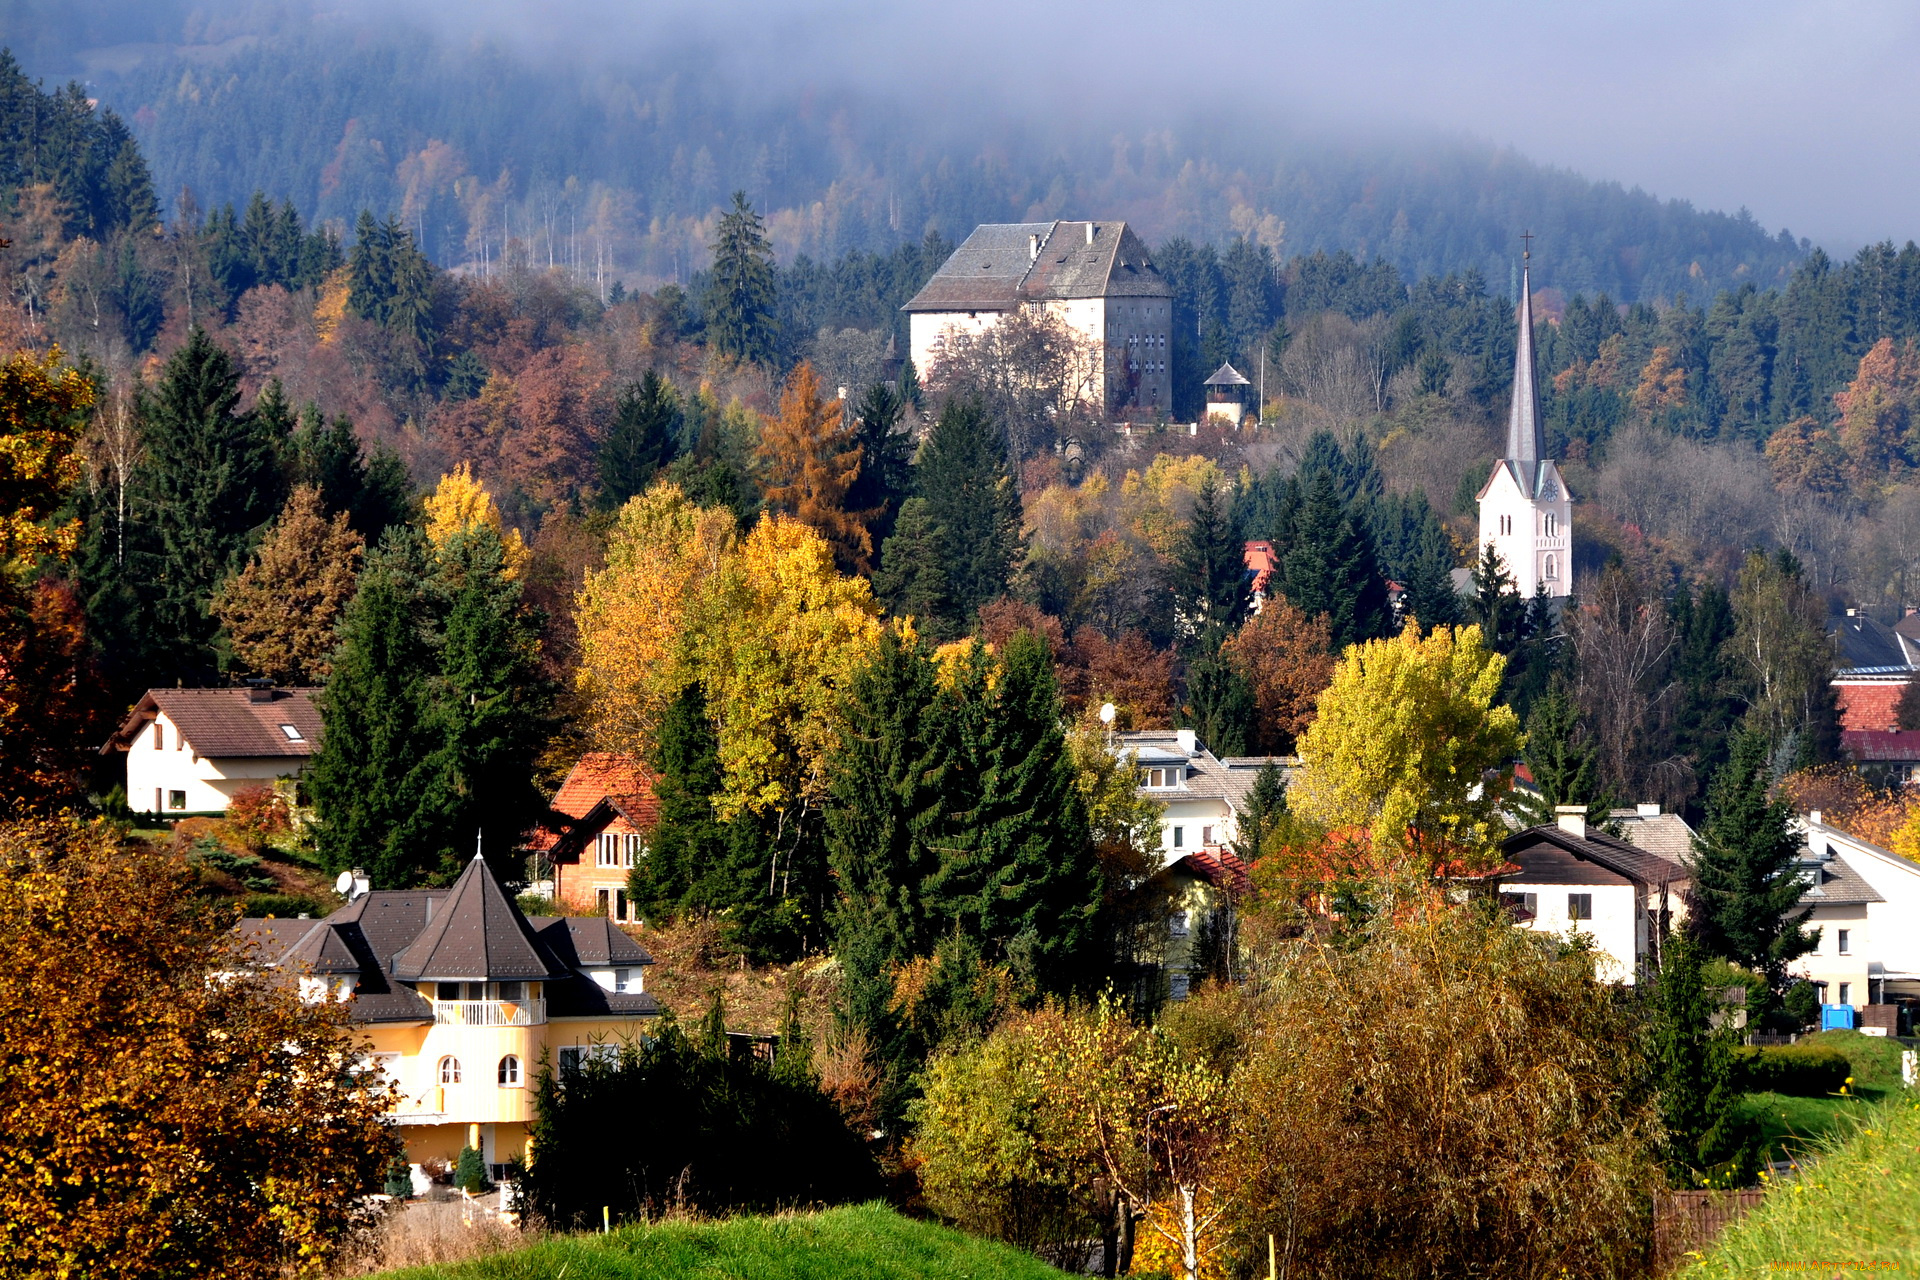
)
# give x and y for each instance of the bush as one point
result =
(471, 1173)
(256, 813)
(1800, 1071)
(286, 906)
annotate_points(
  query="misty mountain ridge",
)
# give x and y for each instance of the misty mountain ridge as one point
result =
(619, 171)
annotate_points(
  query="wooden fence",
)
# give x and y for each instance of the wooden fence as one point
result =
(1689, 1220)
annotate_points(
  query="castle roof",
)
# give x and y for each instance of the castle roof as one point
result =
(1003, 264)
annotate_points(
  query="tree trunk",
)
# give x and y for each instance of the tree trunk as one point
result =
(1124, 1212)
(1189, 1243)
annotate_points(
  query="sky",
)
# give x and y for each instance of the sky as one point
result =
(1795, 111)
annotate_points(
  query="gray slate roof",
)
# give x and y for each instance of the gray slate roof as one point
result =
(1666, 834)
(1525, 443)
(228, 723)
(1207, 775)
(1863, 643)
(369, 936)
(1227, 376)
(1836, 884)
(477, 934)
(996, 268)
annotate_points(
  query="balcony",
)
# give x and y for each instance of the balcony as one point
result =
(490, 1013)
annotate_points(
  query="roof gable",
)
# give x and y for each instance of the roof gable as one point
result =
(1545, 853)
(229, 723)
(1003, 264)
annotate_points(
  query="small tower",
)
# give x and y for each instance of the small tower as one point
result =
(1526, 513)
(1227, 394)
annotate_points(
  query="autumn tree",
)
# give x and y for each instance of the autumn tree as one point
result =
(1781, 649)
(740, 291)
(1129, 672)
(1878, 410)
(460, 503)
(279, 613)
(43, 407)
(170, 1110)
(1410, 747)
(812, 460)
(1288, 659)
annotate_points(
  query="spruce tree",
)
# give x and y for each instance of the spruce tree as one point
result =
(1018, 874)
(211, 482)
(886, 456)
(1211, 568)
(687, 838)
(1266, 809)
(1331, 568)
(972, 505)
(1701, 1107)
(912, 577)
(373, 494)
(1709, 705)
(643, 440)
(1496, 605)
(1561, 757)
(1746, 885)
(1221, 707)
(740, 291)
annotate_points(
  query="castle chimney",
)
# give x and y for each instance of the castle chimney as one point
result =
(1033, 247)
(1089, 233)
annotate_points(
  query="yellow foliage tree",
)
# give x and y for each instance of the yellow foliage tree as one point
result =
(1663, 384)
(1409, 747)
(777, 635)
(41, 405)
(632, 614)
(1159, 502)
(812, 461)
(460, 502)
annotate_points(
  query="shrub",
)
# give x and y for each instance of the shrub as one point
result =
(286, 906)
(1801, 1071)
(470, 1174)
(256, 813)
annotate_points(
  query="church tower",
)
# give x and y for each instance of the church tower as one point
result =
(1526, 513)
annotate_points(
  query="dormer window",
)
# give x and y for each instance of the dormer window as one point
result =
(292, 732)
(1166, 777)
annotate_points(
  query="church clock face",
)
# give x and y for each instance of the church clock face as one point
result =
(1549, 491)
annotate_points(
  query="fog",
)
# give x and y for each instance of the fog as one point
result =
(1796, 111)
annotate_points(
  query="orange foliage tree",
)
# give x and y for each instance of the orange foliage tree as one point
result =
(1877, 410)
(1288, 659)
(813, 460)
(164, 1108)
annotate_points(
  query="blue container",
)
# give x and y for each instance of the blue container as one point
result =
(1836, 1017)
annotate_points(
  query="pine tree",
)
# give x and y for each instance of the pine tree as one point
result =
(1212, 569)
(1496, 605)
(912, 578)
(1746, 882)
(740, 291)
(373, 495)
(1018, 877)
(972, 505)
(1701, 1107)
(644, 438)
(1331, 568)
(1561, 757)
(1221, 707)
(1265, 812)
(886, 456)
(212, 479)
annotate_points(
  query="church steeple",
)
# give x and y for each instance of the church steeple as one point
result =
(1524, 442)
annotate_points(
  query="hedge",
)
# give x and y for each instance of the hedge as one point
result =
(1801, 1071)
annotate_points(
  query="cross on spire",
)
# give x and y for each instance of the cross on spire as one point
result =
(1526, 245)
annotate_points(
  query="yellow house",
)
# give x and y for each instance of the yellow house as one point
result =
(464, 997)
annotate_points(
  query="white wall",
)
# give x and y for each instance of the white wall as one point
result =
(927, 329)
(206, 785)
(1525, 551)
(1105, 324)
(1883, 937)
(1193, 815)
(1616, 928)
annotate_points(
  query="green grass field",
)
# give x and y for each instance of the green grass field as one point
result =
(1794, 1126)
(1854, 1208)
(867, 1240)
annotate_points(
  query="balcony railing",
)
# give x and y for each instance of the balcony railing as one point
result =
(490, 1013)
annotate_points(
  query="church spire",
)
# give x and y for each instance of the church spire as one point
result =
(1524, 442)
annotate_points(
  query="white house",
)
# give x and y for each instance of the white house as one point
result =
(1526, 513)
(1866, 904)
(1571, 878)
(1200, 795)
(1097, 277)
(189, 750)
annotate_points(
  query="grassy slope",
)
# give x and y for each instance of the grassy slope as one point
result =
(1792, 1125)
(1858, 1204)
(865, 1240)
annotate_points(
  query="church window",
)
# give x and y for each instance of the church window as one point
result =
(1553, 524)
(1552, 570)
(1506, 525)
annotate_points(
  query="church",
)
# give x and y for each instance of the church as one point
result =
(1526, 513)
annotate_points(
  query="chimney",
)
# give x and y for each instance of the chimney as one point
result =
(1033, 247)
(1647, 810)
(1188, 743)
(1089, 233)
(1572, 819)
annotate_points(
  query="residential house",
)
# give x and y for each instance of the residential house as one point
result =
(1201, 892)
(463, 997)
(1200, 795)
(1262, 563)
(1890, 754)
(1866, 904)
(1573, 878)
(1096, 277)
(189, 750)
(1526, 512)
(609, 812)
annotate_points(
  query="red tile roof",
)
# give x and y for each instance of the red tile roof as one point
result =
(1868, 705)
(602, 775)
(1222, 869)
(1869, 747)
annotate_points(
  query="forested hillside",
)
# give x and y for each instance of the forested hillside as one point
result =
(618, 170)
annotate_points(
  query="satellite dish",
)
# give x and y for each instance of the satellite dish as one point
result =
(343, 884)
(1107, 712)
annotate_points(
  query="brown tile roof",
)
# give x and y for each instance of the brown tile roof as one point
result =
(1220, 868)
(477, 934)
(227, 723)
(1549, 855)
